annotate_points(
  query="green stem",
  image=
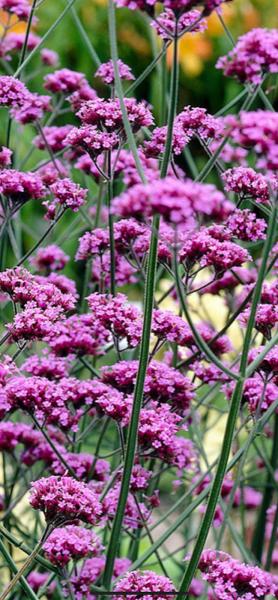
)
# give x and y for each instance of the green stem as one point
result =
(232, 417)
(111, 226)
(147, 321)
(25, 586)
(259, 533)
(44, 37)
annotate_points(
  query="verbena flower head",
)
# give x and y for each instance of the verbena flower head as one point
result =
(254, 54)
(66, 194)
(118, 316)
(145, 581)
(47, 365)
(50, 58)
(231, 578)
(64, 499)
(53, 137)
(65, 81)
(164, 24)
(50, 258)
(78, 334)
(5, 156)
(177, 201)
(93, 140)
(33, 109)
(108, 114)
(246, 182)
(21, 186)
(37, 579)
(245, 226)
(106, 72)
(71, 543)
(12, 91)
(20, 8)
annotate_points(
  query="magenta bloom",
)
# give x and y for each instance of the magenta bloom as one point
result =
(5, 156)
(106, 72)
(20, 8)
(65, 81)
(12, 91)
(71, 543)
(255, 54)
(65, 499)
(50, 258)
(246, 182)
(145, 581)
(232, 579)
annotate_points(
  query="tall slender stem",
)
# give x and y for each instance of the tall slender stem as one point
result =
(232, 417)
(145, 341)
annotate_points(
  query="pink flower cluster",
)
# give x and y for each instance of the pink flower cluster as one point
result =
(64, 499)
(254, 55)
(232, 579)
(71, 543)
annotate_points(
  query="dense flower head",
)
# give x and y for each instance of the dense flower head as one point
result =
(21, 186)
(156, 145)
(255, 53)
(65, 499)
(231, 578)
(89, 573)
(123, 319)
(245, 226)
(197, 121)
(84, 93)
(246, 182)
(145, 581)
(164, 24)
(48, 400)
(266, 318)
(85, 466)
(33, 323)
(257, 131)
(33, 108)
(50, 172)
(258, 395)
(108, 114)
(20, 8)
(12, 91)
(49, 258)
(177, 201)
(37, 579)
(65, 81)
(106, 72)
(78, 334)
(93, 140)
(179, 5)
(13, 42)
(135, 513)
(46, 365)
(157, 431)
(71, 543)
(50, 58)
(53, 137)
(209, 251)
(5, 156)
(269, 363)
(28, 291)
(66, 194)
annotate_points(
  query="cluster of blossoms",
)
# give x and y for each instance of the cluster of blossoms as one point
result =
(254, 55)
(85, 365)
(232, 579)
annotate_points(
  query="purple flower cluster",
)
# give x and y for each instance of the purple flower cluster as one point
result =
(63, 499)
(71, 543)
(254, 55)
(145, 581)
(231, 578)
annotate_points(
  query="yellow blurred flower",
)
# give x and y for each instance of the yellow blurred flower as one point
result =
(194, 49)
(130, 36)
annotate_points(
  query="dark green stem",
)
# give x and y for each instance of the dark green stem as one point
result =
(232, 417)
(259, 533)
